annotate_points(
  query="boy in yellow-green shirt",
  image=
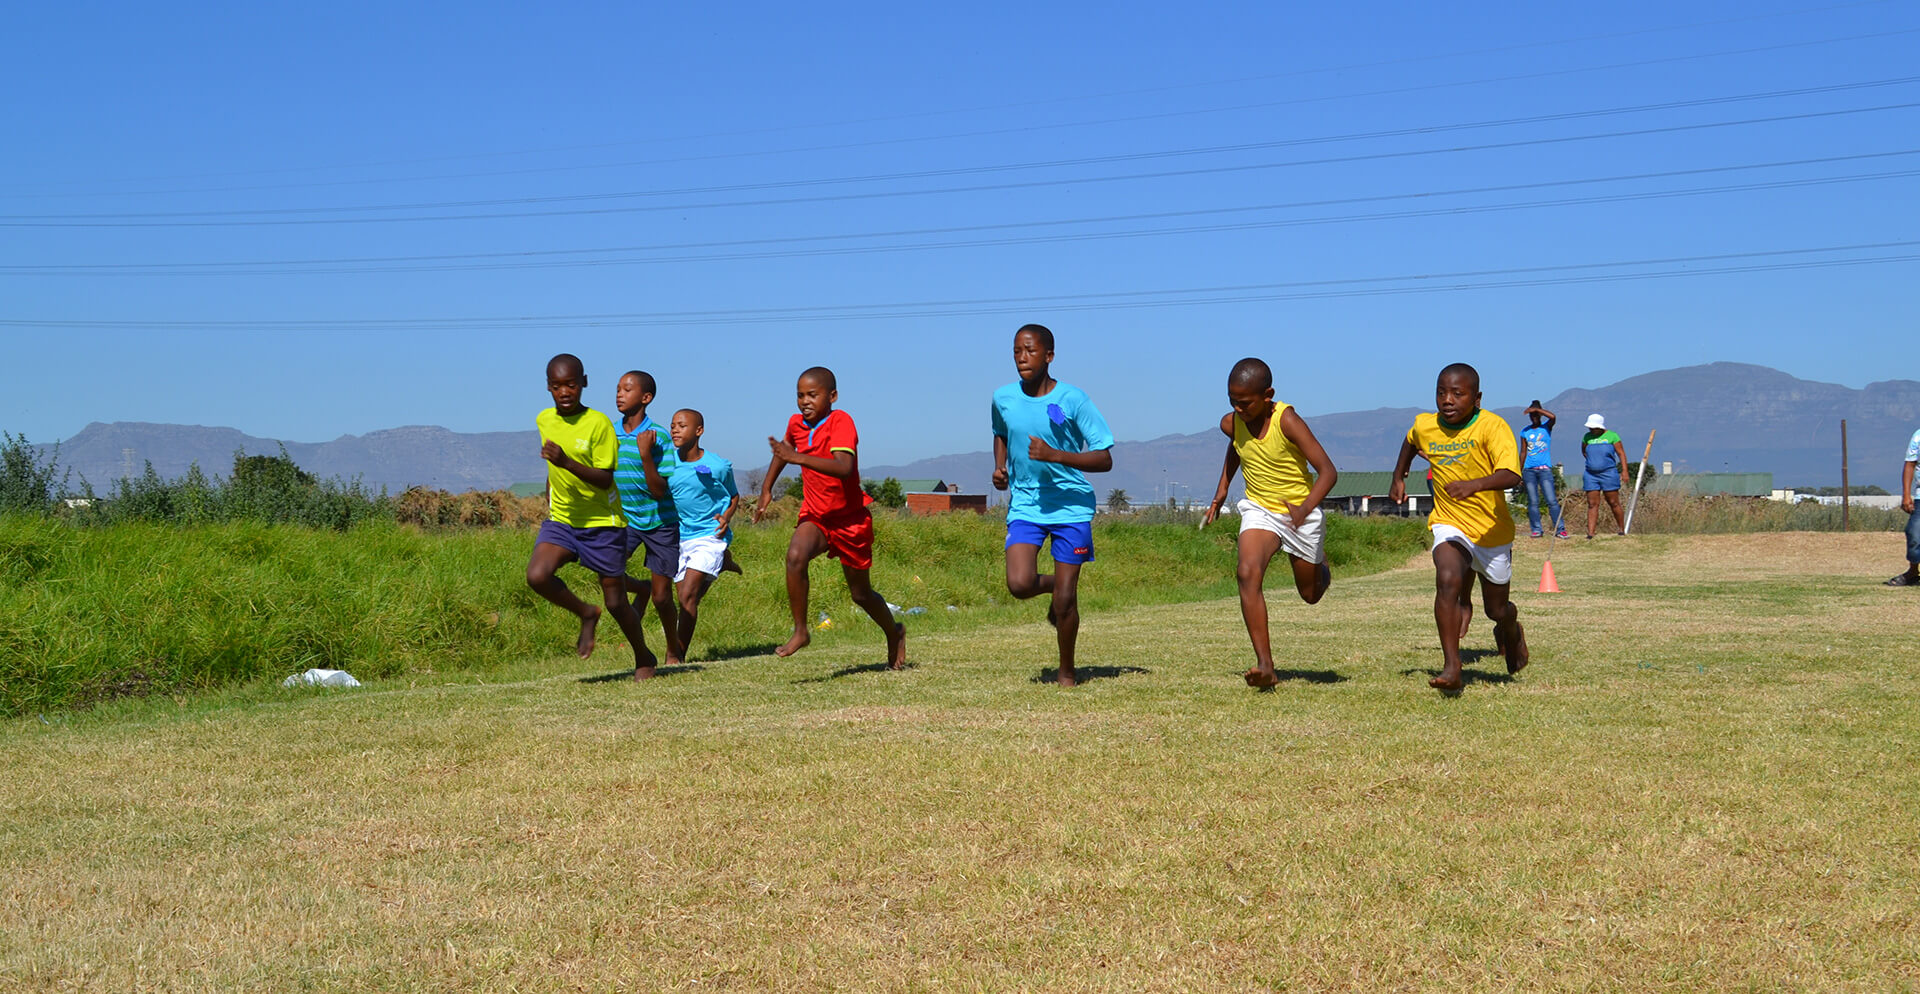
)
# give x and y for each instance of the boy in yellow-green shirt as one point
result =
(1474, 458)
(1272, 447)
(583, 514)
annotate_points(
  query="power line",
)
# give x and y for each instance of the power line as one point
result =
(1527, 276)
(91, 221)
(1035, 103)
(568, 258)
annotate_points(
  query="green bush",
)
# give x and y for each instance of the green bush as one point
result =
(29, 482)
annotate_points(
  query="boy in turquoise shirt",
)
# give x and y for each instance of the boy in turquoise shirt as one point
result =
(653, 527)
(706, 498)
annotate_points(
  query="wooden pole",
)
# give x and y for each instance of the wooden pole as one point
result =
(1634, 501)
(1845, 493)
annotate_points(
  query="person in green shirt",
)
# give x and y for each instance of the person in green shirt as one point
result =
(1606, 459)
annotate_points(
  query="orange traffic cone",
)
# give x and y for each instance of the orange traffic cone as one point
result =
(1548, 585)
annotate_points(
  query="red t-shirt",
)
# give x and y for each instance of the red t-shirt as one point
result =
(825, 496)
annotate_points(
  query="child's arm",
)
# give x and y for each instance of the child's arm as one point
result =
(592, 476)
(1227, 468)
(1093, 461)
(841, 465)
(999, 463)
(656, 484)
(725, 519)
(1499, 479)
(1549, 417)
(1325, 476)
(774, 469)
(1398, 491)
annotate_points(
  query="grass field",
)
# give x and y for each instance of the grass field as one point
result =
(1705, 781)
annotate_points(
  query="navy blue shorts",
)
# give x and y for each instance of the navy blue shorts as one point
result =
(1072, 542)
(602, 550)
(662, 545)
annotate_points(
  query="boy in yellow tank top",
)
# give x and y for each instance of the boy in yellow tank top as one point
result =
(1272, 447)
(1474, 458)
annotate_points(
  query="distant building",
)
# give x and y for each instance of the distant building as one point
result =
(535, 488)
(1365, 492)
(939, 497)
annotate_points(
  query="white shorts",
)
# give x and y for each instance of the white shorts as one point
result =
(1308, 542)
(702, 555)
(1494, 564)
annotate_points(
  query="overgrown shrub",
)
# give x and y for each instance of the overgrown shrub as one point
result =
(29, 481)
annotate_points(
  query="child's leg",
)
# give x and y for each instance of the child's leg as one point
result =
(1506, 623)
(1452, 577)
(860, 585)
(613, 592)
(808, 542)
(1257, 548)
(660, 588)
(546, 561)
(1066, 615)
(691, 588)
(1024, 578)
(1466, 603)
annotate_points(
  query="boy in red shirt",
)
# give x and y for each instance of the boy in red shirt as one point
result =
(833, 510)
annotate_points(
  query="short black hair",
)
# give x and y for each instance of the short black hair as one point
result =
(823, 376)
(646, 380)
(698, 418)
(1252, 373)
(1039, 331)
(1460, 369)
(1536, 402)
(566, 360)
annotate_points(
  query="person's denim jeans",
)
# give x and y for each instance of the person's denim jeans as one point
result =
(1913, 536)
(1539, 481)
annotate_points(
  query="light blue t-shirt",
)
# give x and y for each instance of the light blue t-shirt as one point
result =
(1913, 455)
(701, 490)
(1536, 445)
(641, 509)
(1048, 493)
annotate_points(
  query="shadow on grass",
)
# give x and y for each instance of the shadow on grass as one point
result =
(627, 675)
(1081, 674)
(853, 671)
(740, 651)
(1467, 677)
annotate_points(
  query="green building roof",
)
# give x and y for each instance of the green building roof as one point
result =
(920, 486)
(1375, 483)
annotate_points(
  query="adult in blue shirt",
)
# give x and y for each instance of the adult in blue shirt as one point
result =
(1908, 483)
(1047, 436)
(1536, 470)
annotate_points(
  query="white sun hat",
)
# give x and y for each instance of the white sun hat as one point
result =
(1596, 421)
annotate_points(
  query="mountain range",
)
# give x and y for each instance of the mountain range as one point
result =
(1718, 417)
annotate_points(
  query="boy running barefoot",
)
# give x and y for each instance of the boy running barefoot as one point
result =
(833, 512)
(1272, 447)
(705, 497)
(1474, 458)
(646, 460)
(583, 517)
(1047, 436)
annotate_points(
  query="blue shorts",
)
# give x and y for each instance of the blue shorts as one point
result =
(662, 546)
(1609, 480)
(602, 550)
(1072, 542)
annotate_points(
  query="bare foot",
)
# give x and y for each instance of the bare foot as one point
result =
(643, 664)
(672, 660)
(588, 622)
(795, 644)
(1065, 679)
(897, 648)
(1517, 652)
(1261, 679)
(730, 565)
(1051, 619)
(1448, 681)
(1466, 621)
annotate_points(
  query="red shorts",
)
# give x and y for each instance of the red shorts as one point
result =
(849, 537)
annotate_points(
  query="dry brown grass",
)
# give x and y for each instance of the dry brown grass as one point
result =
(1703, 783)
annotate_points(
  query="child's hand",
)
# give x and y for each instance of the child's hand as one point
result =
(1461, 489)
(1398, 492)
(551, 452)
(760, 509)
(1000, 478)
(1212, 515)
(1040, 451)
(644, 442)
(782, 449)
(1297, 513)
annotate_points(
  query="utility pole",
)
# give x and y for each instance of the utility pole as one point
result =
(1846, 493)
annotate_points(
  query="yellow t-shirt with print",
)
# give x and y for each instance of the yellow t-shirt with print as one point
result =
(587, 437)
(1481, 447)
(1275, 469)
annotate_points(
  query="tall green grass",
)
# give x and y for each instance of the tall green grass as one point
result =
(89, 614)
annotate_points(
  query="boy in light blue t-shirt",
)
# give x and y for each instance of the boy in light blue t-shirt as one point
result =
(1047, 436)
(706, 498)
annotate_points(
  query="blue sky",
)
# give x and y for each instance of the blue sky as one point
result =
(310, 221)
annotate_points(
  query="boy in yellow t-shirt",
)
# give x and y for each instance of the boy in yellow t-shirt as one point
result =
(1474, 458)
(583, 514)
(1272, 447)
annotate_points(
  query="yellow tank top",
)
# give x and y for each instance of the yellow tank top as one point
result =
(1275, 469)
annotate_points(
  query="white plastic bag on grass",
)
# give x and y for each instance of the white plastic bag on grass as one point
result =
(322, 678)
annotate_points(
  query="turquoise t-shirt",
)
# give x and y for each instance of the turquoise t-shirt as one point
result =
(1048, 493)
(702, 489)
(1599, 452)
(642, 510)
(1536, 445)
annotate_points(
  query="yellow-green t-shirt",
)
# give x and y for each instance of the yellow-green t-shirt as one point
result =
(1480, 448)
(587, 437)
(1275, 469)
